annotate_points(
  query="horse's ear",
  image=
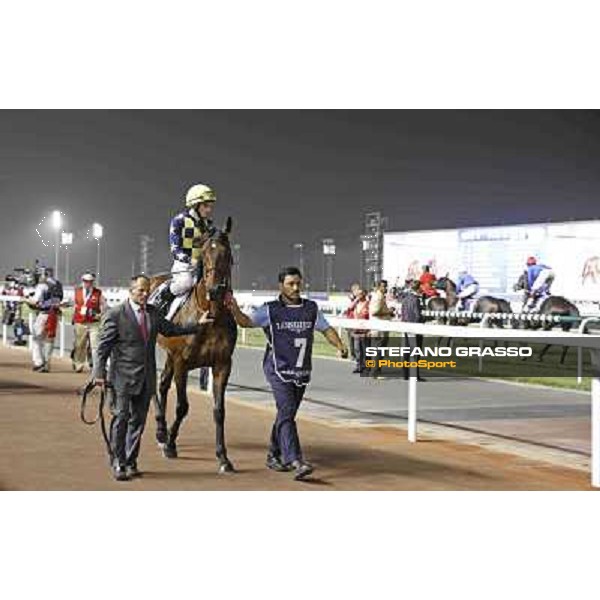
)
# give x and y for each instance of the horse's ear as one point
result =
(227, 228)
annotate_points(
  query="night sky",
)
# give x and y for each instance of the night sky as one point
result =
(286, 177)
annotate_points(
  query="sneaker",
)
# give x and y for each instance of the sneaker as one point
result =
(302, 468)
(37, 368)
(120, 473)
(274, 463)
(132, 471)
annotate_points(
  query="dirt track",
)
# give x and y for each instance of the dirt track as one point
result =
(46, 447)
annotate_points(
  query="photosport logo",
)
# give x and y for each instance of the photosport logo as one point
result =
(527, 357)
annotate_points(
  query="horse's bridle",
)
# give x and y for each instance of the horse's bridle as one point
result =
(220, 289)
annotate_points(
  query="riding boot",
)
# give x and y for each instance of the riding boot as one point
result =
(530, 304)
(164, 300)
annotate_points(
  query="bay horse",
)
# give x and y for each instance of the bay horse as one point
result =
(484, 304)
(212, 347)
(553, 305)
(557, 306)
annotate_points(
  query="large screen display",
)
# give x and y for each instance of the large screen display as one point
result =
(496, 256)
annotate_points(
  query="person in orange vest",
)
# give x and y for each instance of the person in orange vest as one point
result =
(89, 305)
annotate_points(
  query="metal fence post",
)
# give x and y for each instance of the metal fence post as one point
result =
(30, 340)
(412, 397)
(209, 385)
(61, 339)
(482, 324)
(596, 432)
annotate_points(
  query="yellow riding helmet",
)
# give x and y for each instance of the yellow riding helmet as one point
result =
(199, 193)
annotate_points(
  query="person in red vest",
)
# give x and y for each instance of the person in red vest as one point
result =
(89, 305)
(427, 281)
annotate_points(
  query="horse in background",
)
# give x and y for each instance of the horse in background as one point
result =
(557, 306)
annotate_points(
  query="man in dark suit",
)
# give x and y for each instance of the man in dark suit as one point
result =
(410, 312)
(128, 336)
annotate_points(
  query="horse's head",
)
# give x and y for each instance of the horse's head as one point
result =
(445, 283)
(217, 260)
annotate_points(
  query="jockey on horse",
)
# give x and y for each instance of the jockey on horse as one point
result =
(427, 282)
(466, 289)
(539, 281)
(185, 227)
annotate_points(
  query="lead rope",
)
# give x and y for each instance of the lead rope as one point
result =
(87, 389)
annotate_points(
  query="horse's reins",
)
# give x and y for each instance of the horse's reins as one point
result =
(87, 389)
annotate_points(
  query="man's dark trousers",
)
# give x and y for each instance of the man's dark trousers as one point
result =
(127, 425)
(285, 442)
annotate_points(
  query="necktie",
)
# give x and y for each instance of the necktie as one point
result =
(143, 324)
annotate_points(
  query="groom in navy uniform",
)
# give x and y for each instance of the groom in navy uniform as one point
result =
(289, 323)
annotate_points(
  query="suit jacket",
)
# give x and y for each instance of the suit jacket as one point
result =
(133, 362)
(410, 311)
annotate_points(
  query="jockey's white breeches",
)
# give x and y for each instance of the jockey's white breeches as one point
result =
(542, 279)
(183, 277)
(470, 290)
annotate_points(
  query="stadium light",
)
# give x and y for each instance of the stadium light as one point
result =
(56, 219)
(97, 231)
(56, 224)
(66, 240)
(328, 255)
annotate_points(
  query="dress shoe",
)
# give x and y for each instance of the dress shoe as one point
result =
(302, 469)
(132, 471)
(120, 473)
(274, 463)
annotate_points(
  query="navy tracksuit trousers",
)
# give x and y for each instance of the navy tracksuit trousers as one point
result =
(285, 443)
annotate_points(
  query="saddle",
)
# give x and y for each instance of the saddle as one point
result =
(166, 302)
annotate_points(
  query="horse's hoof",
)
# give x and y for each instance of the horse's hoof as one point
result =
(169, 451)
(226, 467)
(162, 437)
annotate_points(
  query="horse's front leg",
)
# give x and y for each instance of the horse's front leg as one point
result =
(220, 379)
(181, 410)
(160, 402)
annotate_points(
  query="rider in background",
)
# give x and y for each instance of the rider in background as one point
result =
(466, 289)
(539, 281)
(185, 227)
(427, 281)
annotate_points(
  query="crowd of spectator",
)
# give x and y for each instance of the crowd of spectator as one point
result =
(375, 304)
